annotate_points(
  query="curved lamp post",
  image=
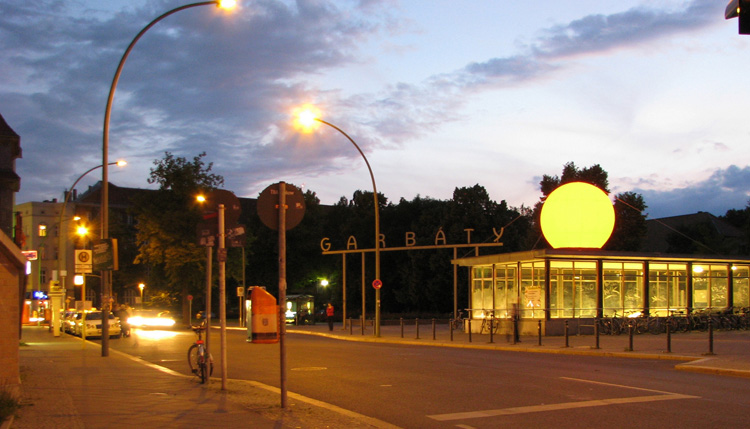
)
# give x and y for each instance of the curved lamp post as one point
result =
(104, 206)
(307, 118)
(62, 212)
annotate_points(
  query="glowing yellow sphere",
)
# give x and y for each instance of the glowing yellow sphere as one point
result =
(577, 215)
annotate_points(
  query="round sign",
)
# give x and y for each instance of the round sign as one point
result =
(268, 206)
(190, 297)
(377, 283)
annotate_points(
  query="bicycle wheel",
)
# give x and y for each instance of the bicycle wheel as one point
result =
(192, 356)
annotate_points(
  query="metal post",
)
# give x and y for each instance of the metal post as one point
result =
(669, 335)
(433, 329)
(282, 290)
(596, 333)
(710, 337)
(492, 323)
(207, 313)
(539, 331)
(469, 330)
(401, 321)
(567, 343)
(350, 327)
(222, 297)
(416, 323)
(450, 327)
(630, 335)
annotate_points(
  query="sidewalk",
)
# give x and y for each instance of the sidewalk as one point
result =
(68, 385)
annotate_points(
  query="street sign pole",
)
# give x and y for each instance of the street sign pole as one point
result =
(282, 290)
(223, 296)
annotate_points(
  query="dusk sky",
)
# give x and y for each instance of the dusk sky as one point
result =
(439, 94)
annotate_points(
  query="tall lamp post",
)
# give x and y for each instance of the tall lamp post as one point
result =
(307, 118)
(61, 250)
(104, 206)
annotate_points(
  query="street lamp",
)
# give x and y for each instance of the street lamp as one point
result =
(62, 251)
(141, 286)
(307, 118)
(104, 203)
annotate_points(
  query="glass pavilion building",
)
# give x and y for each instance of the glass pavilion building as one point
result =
(579, 285)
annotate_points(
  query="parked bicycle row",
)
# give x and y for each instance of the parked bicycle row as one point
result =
(695, 321)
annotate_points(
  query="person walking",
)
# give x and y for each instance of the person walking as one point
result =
(329, 316)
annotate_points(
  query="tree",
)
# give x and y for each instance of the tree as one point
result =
(630, 223)
(166, 223)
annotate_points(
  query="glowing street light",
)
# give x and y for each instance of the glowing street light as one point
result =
(106, 283)
(141, 286)
(306, 121)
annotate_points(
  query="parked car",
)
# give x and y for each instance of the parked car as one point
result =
(152, 319)
(68, 321)
(93, 323)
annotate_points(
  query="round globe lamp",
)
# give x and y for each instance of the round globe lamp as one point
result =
(577, 215)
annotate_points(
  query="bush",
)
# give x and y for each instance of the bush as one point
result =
(8, 405)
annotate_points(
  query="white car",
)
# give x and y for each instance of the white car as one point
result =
(154, 319)
(93, 324)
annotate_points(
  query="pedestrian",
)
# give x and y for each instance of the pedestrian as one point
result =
(329, 316)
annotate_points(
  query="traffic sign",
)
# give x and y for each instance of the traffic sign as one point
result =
(190, 297)
(268, 206)
(377, 283)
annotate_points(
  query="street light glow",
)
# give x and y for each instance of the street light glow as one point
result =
(227, 4)
(201, 198)
(306, 118)
(121, 163)
(82, 230)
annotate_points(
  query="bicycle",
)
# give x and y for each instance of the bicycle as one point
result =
(458, 323)
(201, 363)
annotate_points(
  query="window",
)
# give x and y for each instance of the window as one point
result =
(667, 289)
(42, 229)
(741, 283)
(622, 288)
(572, 289)
(531, 294)
(481, 291)
(710, 286)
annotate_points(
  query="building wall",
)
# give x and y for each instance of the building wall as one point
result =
(11, 282)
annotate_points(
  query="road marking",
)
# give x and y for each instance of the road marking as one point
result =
(310, 368)
(662, 396)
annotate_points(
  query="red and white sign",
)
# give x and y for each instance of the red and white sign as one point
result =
(30, 255)
(377, 283)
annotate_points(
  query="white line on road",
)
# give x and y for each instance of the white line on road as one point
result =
(663, 396)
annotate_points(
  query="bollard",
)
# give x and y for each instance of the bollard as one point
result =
(450, 327)
(710, 338)
(351, 328)
(630, 335)
(492, 323)
(567, 344)
(539, 331)
(416, 323)
(596, 333)
(469, 330)
(362, 323)
(433, 329)
(401, 320)
(669, 334)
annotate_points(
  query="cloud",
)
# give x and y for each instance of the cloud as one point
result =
(725, 189)
(201, 80)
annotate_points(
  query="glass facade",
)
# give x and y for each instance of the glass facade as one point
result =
(667, 287)
(622, 288)
(572, 288)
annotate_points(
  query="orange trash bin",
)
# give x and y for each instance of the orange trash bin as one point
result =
(265, 317)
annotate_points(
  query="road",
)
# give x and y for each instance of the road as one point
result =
(418, 386)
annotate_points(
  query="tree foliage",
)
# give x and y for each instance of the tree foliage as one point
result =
(166, 225)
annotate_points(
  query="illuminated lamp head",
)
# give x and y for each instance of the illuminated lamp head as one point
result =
(577, 215)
